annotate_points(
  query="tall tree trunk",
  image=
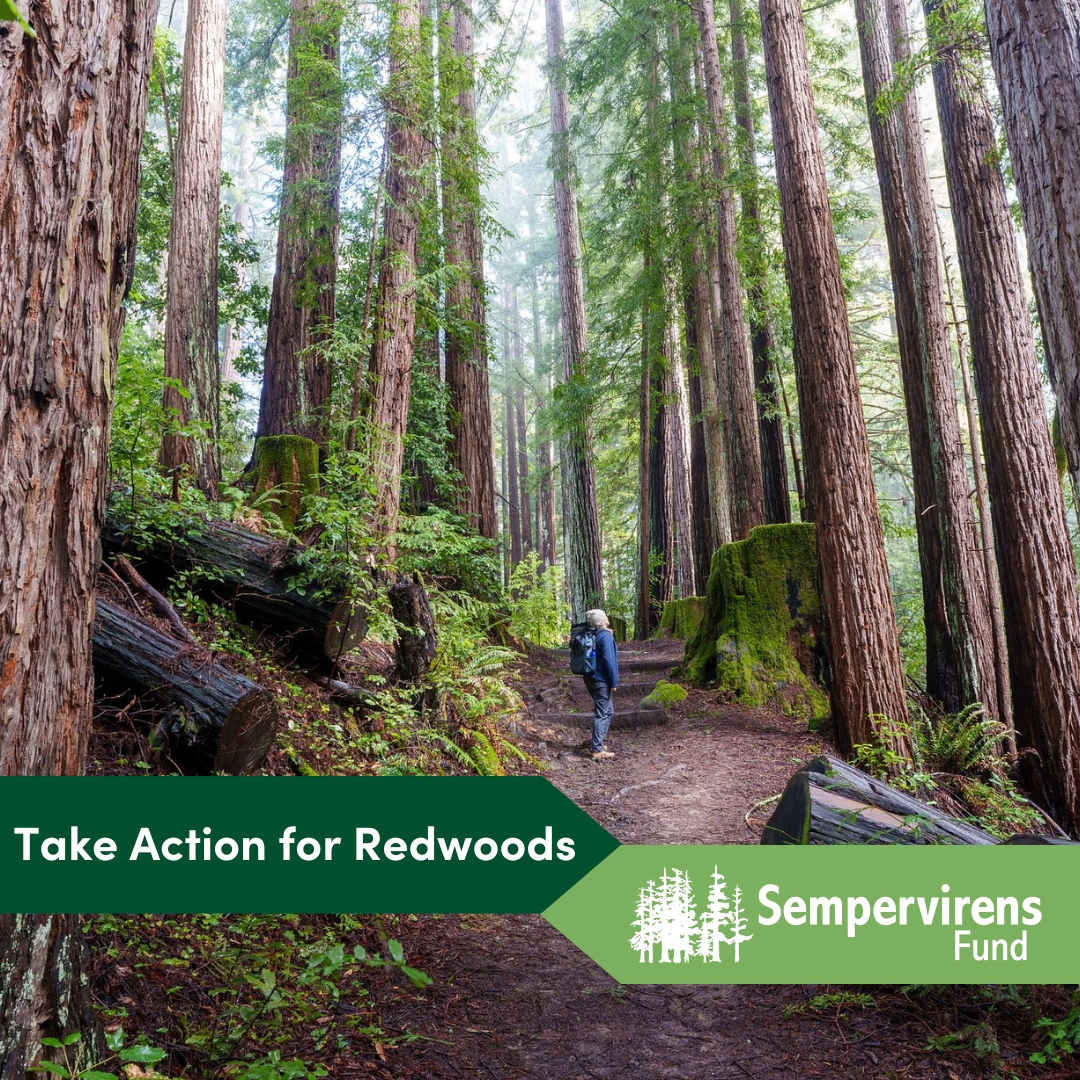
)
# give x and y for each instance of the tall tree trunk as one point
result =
(192, 393)
(956, 608)
(395, 307)
(746, 477)
(1035, 560)
(297, 374)
(471, 450)
(581, 523)
(677, 434)
(1035, 47)
(645, 619)
(867, 680)
(75, 106)
(699, 473)
(762, 337)
(709, 359)
(546, 457)
(661, 526)
(522, 425)
(510, 454)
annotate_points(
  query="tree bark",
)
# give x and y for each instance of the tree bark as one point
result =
(581, 524)
(867, 682)
(216, 720)
(546, 457)
(1035, 47)
(645, 618)
(191, 323)
(296, 385)
(746, 476)
(417, 640)
(75, 109)
(678, 437)
(699, 473)
(395, 307)
(708, 338)
(762, 337)
(956, 609)
(471, 439)
(1035, 560)
(513, 493)
(522, 427)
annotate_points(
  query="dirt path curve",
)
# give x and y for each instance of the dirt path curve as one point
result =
(513, 998)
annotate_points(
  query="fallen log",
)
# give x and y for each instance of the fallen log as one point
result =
(831, 802)
(215, 720)
(256, 575)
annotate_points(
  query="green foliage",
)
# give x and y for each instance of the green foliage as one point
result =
(537, 611)
(76, 1066)
(664, 694)
(1062, 1036)
(439, 544)
(834, 1002)
(965, 743)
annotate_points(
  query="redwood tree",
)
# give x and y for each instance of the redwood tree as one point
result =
(1035, 46)
(956, 606)
(471, 449)
(192, 390)
(867, 680)
(73, 114)
(1035, 560)
(296, 385)
(395, 307)
(581, 525)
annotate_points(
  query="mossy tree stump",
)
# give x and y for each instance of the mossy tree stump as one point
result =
(287, 466)
(681, 618)
(760, 635)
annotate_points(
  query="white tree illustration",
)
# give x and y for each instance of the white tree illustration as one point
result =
(683, 923)
(646, 922)
(738, 924)
(714, 918)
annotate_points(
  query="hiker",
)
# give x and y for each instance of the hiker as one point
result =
(603, 682)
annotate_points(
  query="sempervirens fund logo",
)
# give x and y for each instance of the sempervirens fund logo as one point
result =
(668, 922)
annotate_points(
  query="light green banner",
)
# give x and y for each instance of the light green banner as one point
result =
(845, 914)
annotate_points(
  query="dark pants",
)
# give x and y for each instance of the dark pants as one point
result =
(603, 711)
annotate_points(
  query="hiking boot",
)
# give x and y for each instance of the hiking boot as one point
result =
(602, 754)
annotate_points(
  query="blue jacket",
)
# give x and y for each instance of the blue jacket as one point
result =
(607, 659)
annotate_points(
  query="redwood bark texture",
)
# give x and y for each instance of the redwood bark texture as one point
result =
(582, 555)
(191, 320)
(956, 607)
(72, 114)
(762, 339)
(471, 439)
(1035, 47)
(747, 484)
(867, 681)
(1035, 560)
(297, 372)
(395, 307)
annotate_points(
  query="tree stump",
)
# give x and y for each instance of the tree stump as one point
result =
(287, 466)
(216, 720)
(417, 640)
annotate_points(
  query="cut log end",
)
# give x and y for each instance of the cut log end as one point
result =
(248, 734)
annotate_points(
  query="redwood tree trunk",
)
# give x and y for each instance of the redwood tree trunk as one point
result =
(748, 490)
(645, 621)
(74, 106)
(956, 608)
(699, 473)
(867, 681)
(191, 321)
(1035, 560)
(581, 523)
(1035, 46)
(297, 374)
(522, 426)
(471, 440)
(395, 307)
(762, 338)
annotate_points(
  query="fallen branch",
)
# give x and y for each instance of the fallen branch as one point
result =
(157, 601)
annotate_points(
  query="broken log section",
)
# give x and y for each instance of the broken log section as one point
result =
(830, 802)
(256, 575)
(215, 719)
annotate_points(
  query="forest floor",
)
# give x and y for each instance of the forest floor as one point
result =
(513, 998)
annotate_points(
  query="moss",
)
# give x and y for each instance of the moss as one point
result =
(663, 694)
(681, 618)
(618, 626)
(287, 466)
(760, 634)
(1060, 455)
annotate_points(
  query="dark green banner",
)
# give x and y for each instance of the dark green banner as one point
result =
(264, 844)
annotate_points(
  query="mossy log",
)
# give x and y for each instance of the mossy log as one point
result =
(256, 575)
(760, 635)
(681, 618)
(215, 720)
(286, 467)
(831, 802)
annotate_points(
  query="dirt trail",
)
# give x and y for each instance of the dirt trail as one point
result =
(513, 998)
